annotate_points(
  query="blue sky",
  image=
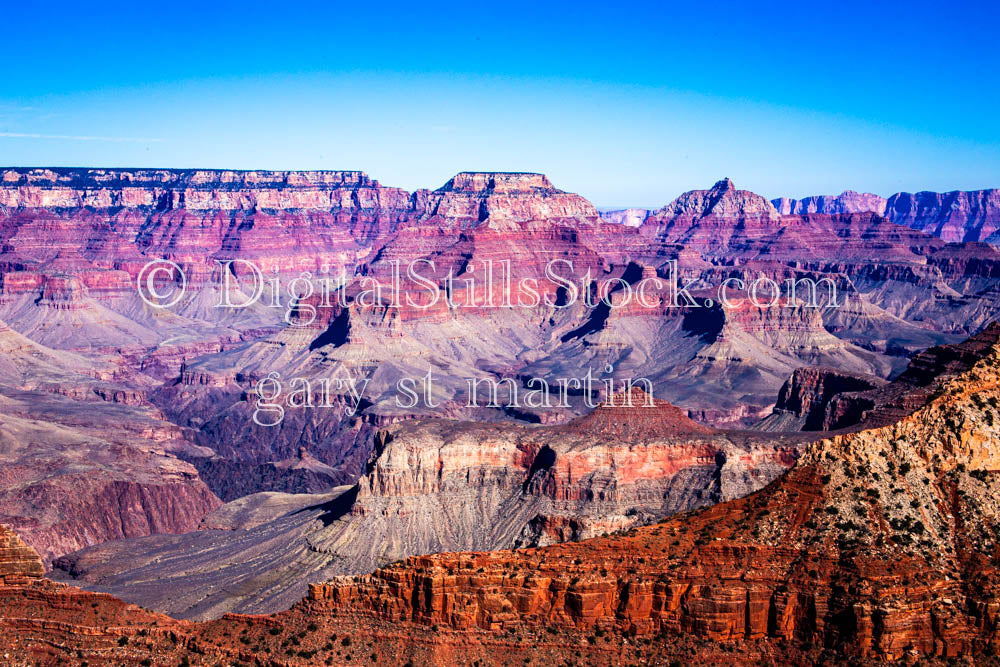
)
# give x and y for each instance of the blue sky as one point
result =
(627, 103)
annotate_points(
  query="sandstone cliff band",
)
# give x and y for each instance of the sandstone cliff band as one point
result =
(242, 283)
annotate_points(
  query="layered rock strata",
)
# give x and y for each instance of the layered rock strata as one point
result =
(879, 545)
(440, 485)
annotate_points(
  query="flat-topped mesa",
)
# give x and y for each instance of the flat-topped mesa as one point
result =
(723, 200)
(493, 181)
(195, 189)
(503, 198)
(847, 201)
(18, 562)
(189, 178)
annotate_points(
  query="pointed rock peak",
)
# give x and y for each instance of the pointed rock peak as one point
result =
(18, 561)
(723, 200)
(636, 413)
(498, 182)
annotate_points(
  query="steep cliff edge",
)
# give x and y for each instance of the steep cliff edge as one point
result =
(879, 543)
(826, 399)
(956, 216)
(442, 485)
(805, 398)
(194, 189)
(80, 472)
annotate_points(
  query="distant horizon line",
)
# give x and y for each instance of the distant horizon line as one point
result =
(603, 208)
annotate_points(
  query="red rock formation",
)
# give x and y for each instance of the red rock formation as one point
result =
(291, 221)
(178, 188)
(442, 485)
(953, 216)
(827, 399)
(790, 562)
(847, 201)
(636, 415)
(18, 563)
(803, 400)
(498, 199)
(72, 242)
(78, 471)
(878, 545)
(708, 219)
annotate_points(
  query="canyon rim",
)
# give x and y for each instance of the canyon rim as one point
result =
(499, 336)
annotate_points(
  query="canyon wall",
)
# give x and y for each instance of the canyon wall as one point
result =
(955, 216)
(873, 545)
(878, 545)
(441, 485)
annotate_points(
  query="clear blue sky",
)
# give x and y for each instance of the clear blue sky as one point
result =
(626, 103)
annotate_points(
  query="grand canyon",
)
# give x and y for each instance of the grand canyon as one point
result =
(552, 440)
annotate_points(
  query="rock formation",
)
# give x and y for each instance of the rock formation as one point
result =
(847, 201)
(805, 398)
(18, 562)
(440, 485)
(953, 216)
(498, 199)
(879, 544)
(824, 399)
(78, 473)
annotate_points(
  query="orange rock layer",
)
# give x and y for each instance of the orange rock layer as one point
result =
(880, 544)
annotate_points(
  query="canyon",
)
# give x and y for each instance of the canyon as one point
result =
(879, 544)
(74, 242)
(131, 461)
(441, 485)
